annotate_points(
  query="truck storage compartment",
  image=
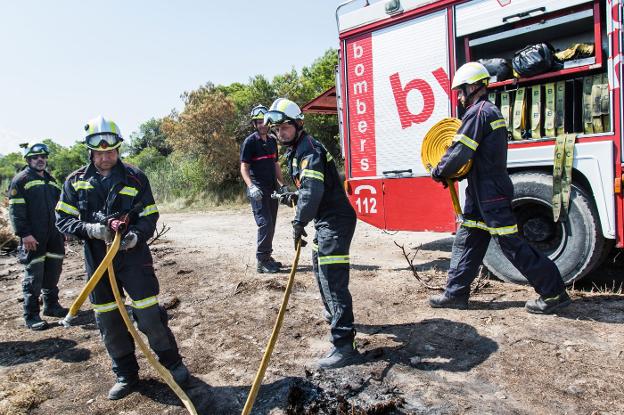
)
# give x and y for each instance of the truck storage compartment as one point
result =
(477, 16)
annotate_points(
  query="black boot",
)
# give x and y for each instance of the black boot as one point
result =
(547, 305)
(267, 267)
(180, 374)
(123, 387)
(446, 301)
(339, 357)
(34, 322)
(54, 310)
(276, 263)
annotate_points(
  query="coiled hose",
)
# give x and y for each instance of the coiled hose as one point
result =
(435, 144)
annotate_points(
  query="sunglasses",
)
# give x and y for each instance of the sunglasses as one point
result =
(102, 140)
(38, 156)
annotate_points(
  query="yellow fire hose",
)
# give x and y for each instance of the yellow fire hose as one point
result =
(251, 398)
(435, 144)
(95, 278)
(107, 264)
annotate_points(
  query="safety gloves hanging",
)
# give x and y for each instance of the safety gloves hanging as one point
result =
(129, 241)
(254, 192)
(98, 231)
(298, 233)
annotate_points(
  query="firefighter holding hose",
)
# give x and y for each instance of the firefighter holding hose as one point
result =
(93, 194)
(322, 199)
(487, 214)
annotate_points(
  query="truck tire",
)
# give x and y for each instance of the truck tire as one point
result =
(576, 245)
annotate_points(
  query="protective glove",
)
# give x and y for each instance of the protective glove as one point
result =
(283, 189)
(298, 233)
(438, 179)
(289, 199)
(98, 231)
(254, 192)
(129, 241)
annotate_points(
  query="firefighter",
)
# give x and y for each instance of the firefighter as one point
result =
(321, 198)
(32, 196)
(482, 137)
(103, 188)
(262, 174)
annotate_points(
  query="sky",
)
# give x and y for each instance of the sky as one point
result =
(67, 61)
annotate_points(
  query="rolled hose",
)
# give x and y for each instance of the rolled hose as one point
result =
(107, 264)
(435, 144)
(437, 140)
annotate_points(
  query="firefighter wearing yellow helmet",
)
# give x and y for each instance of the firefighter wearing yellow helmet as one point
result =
(261, 172)
(103, 189)
(482, 137)
(322, 199)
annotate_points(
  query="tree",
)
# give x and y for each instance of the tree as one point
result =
(10, 165)
(150, 134)
(64, 160)
(206, 130)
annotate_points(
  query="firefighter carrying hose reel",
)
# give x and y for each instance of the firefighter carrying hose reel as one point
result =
(482, 138)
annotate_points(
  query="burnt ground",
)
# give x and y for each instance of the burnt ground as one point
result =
(491, 359)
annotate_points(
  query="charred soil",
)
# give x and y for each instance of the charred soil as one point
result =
(493, 358)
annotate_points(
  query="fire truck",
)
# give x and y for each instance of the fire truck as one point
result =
(397, 58)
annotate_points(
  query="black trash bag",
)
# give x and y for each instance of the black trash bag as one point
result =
(498, 67)
(535, 59)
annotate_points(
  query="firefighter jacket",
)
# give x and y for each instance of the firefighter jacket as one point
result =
(482, 137)
(321, 194)
(31, 203)
(88, 197)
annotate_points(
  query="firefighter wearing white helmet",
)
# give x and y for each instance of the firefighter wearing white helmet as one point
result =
(482, 137)
(32, 196)
(93, 194)
(262, 174)
(322, 199)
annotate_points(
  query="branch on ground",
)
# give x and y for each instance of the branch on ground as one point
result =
(410, 261)
(159, 233)
(482, 281)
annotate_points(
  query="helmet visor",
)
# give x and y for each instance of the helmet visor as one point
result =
(37, 149)
(258, 113)
(276, 118)
(103, 142)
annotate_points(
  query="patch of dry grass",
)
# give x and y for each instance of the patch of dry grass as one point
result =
(19, 394)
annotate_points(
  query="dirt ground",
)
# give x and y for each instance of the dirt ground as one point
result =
(491, 359)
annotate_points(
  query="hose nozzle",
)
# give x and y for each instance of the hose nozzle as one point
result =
(66, 322)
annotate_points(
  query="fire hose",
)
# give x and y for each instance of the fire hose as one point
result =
(119, 227)
(435, 144)
(264, 363)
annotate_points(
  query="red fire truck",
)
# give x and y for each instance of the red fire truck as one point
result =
(397, 58)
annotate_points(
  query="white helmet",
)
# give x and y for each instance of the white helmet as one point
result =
(470, 73)
(102, 134)
(283, 110)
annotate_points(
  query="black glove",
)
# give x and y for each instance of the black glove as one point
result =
(298, 233)
(289, 199)
(438, 179)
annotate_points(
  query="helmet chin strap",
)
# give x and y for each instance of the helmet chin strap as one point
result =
(469, 96)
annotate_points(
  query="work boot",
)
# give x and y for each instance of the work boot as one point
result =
(339, 357)
(277, 263)
(123, 387)
(547, 305)
(267, 267)
(446, 301)
(180, 374)
(34, 322)
(54, 310)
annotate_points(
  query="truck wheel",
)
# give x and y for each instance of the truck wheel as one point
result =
(575, 245)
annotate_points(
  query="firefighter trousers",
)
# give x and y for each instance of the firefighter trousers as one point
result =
(140, 284)
(471, 243)
(330, 262)
(265, 214)
(42, 272)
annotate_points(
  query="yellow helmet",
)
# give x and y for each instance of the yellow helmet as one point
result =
(102, 134)
(470, 73)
